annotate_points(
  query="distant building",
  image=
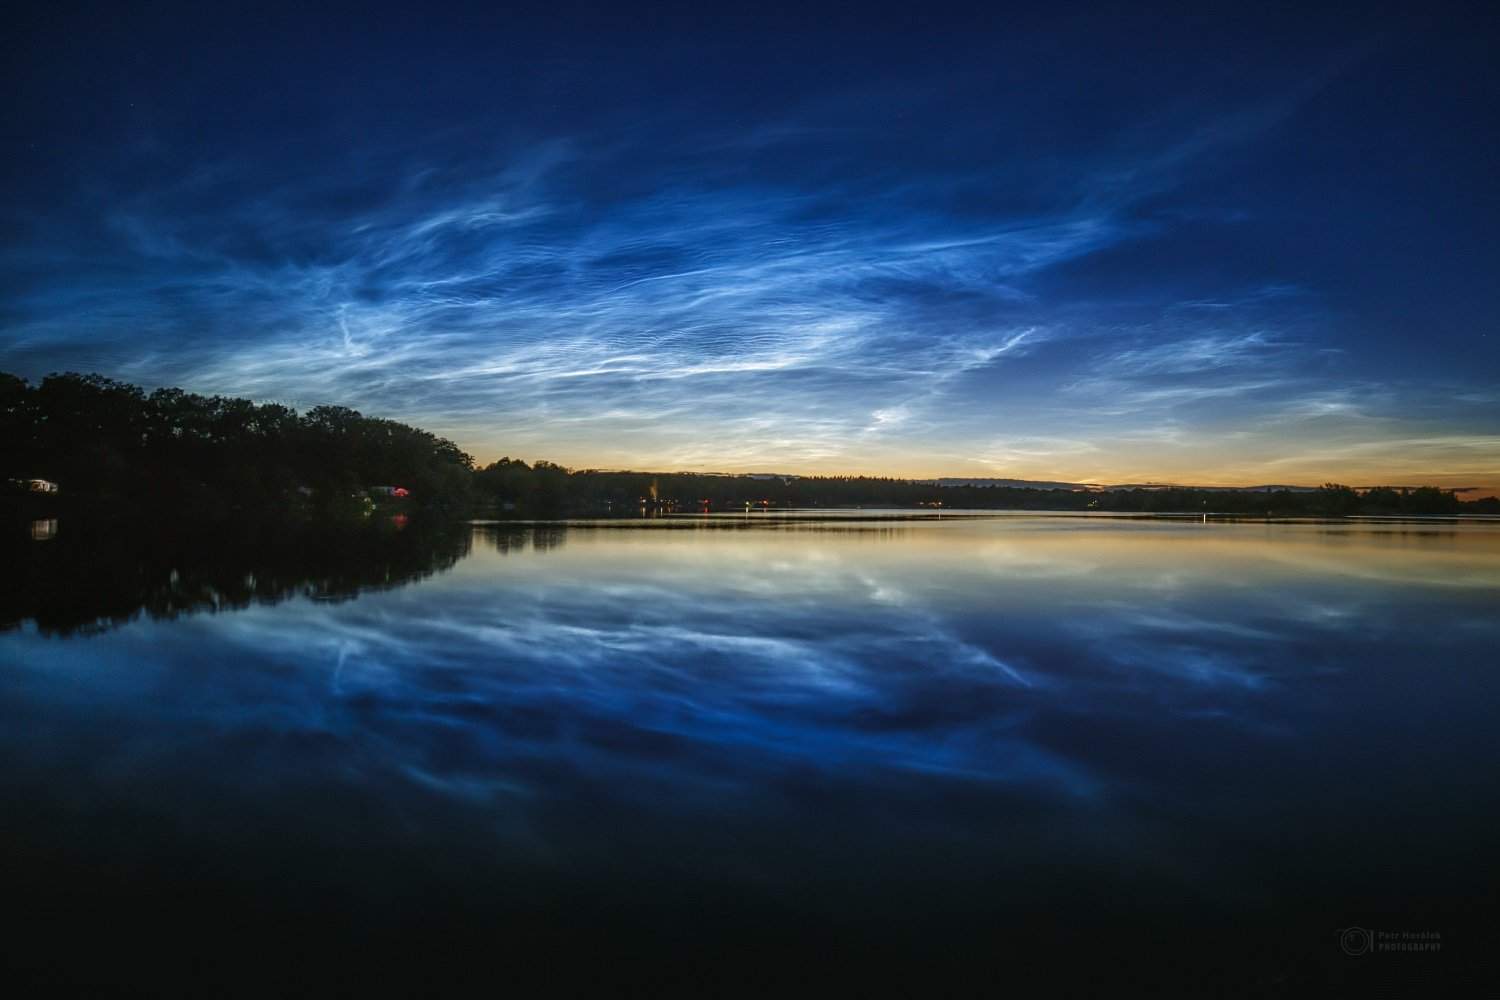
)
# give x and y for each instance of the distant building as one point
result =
(35, 485)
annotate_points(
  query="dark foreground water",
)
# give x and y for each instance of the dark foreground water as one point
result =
(741, 753)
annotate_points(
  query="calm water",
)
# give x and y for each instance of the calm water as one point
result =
(710, 748)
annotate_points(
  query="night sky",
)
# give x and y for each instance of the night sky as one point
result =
(1230, 246)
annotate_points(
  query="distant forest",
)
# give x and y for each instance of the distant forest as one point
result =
(106, 442)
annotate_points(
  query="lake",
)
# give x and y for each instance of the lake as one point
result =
(748, 750)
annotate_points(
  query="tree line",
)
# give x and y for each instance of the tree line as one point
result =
(547, 488)
(110, 442)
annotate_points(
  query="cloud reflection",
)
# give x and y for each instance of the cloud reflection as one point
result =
(779, 707)
(736, 655)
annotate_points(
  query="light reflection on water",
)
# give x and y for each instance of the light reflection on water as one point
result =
(892, 721)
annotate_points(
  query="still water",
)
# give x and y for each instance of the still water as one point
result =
(693, 749)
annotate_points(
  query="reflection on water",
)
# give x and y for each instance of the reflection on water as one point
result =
(916, 733)
(105, 574)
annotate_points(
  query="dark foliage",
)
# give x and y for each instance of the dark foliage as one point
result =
(111, 442)
(545, 489)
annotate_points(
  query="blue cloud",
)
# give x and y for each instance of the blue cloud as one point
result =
(899, 270)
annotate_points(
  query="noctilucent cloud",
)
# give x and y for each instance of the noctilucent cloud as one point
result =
(1236, 248)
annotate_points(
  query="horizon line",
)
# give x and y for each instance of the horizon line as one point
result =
(1021, 482)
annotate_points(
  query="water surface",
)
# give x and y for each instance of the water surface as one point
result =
(699, 745)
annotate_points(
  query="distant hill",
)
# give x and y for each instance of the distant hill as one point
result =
(1213, 489)
(1014, 484)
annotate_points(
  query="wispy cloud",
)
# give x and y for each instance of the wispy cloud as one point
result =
(625, 294)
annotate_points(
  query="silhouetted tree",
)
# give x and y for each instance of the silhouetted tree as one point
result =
(109, 441)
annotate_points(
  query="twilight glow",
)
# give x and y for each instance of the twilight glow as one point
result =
(1091, 249)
